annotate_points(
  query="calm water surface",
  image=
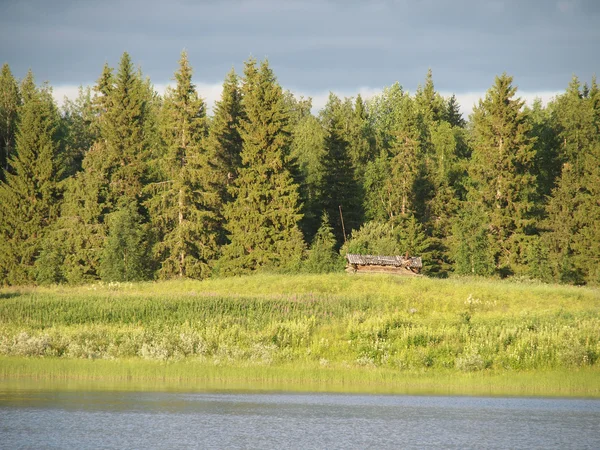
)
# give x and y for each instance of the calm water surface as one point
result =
(147, 420)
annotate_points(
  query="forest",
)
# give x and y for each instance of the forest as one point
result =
(123, 184)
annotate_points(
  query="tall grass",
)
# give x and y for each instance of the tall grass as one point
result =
(337, 322)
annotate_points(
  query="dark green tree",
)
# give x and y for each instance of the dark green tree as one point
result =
(322, 256)
(185, 204)
(501, 172)
(80, 129)
(340, 188)
(307, 152)
(31, 195)
(262, 220)
(224, 140)
(124, 255)
(10, 100)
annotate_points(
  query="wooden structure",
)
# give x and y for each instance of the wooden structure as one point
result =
(399, 265)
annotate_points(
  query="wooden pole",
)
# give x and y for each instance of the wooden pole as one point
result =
(343, 227)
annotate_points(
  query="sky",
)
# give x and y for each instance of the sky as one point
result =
(344, 46)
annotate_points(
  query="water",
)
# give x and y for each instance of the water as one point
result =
(32, 419)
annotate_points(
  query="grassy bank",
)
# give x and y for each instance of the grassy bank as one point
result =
(312, 332)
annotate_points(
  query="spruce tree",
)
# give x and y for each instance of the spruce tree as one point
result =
(122, 131)
(501, 172)
(322, 257)
(262, 220)
(124, 255)
(340, 188)
(307, 152)
(30, 196)
(115, 169)
(224, 139)
(80, 130)
(185, 204)
(10, 100)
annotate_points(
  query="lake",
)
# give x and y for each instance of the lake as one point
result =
(34, 419)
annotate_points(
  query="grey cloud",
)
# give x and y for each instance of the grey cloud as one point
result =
(312, 45)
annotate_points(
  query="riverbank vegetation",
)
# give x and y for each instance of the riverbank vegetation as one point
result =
(123, 184)
(367, 326)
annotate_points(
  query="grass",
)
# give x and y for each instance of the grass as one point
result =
(363, 333)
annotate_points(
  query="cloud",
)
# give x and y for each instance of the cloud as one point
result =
(211, 92)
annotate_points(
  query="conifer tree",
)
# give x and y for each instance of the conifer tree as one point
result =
(122, 131)
(124, 253)
(30, 196)
(322, 257)
(501, 171)
(10, 100)
(340, 188)
(307, 152)
(80, 129)
(184, 207)
(224, 139)
(262, 220)
(114, 169)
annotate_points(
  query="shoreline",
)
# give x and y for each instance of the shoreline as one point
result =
(195, 376)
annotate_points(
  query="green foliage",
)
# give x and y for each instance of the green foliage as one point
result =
(263, 217)
(124, 256)
(31, 195)
(10, 100)
(80, 129)
(501, 172)
(186, 199)
(373, 238)
(470, 245)
(307, 151)
(224, 140)
(339, 184)
(322, 257)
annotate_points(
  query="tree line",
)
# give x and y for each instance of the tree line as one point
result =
(122, 184)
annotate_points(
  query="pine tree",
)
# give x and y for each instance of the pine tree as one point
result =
(30, 196)
(10, 100)
(501, 171)
(263, 217)
(186, 200)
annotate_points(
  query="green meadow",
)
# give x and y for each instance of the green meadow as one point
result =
(336, 332)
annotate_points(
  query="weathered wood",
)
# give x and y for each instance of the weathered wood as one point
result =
(399, 265)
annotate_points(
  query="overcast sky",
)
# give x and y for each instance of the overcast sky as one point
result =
(345, 46)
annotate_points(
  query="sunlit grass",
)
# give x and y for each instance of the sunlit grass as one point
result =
(374, 330)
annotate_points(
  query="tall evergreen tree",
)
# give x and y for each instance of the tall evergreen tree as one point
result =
(263, 217)
(307, 152)
(340, 188)
(80, 129)
(184, 207)
(224, 140)
(10, 100)
(114, 169)
(30, 196)
(501, 171)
